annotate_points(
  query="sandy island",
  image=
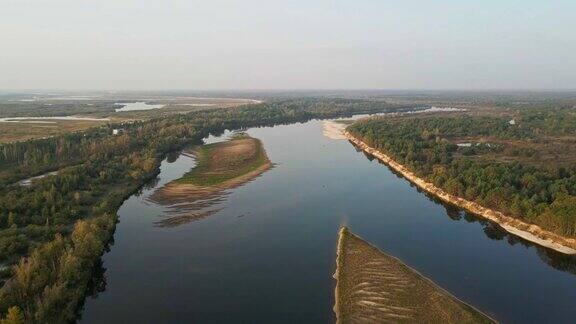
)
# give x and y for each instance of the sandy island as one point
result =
(373, 287)
(529, 232)
(220, 168)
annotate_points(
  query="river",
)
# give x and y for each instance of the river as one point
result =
(268, 253)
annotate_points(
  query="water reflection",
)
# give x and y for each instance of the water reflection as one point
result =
(184, 203)
(493, 231)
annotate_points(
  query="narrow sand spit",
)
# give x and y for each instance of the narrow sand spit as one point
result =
(529, 232)
(334, 130)
(373, 287)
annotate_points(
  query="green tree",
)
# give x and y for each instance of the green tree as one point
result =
(14, 316)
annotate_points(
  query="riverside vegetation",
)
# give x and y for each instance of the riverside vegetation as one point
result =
(523, 167)
(55, 231)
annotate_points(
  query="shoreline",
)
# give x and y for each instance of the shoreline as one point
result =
(339, 245)
(527, 231)
(186, 201)
(334, 130)
(375, 286)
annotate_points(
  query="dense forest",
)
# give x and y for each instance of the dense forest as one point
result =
(494, 168)
(61, 224)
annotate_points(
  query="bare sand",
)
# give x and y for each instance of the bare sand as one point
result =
(374, 287)
(334, 130)
(527, 231)
(28, 182)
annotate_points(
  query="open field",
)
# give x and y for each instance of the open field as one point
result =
(539, 153)
(373, 287)
(96, 106)
(22, 131)
(220, 167)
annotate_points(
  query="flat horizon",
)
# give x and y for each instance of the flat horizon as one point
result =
(223, 44)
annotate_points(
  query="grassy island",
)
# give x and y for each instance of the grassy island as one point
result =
(221, 162)
(220, 167)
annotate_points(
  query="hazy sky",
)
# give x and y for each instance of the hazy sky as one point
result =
(300, 44)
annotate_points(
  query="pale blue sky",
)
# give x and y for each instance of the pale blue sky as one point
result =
(259, 44)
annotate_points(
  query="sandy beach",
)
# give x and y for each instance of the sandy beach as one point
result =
(334, 130)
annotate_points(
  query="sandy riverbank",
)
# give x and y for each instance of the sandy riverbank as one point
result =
(334, 130)
(529, 232)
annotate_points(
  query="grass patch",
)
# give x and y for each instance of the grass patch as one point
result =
(14, 132)
(220, 162)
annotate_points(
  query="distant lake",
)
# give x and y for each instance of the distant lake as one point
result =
(268, 254)
(139, 105)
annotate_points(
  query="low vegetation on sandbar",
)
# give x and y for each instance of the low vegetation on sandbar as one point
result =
(220, 166)
(373, 287)
(219, 163)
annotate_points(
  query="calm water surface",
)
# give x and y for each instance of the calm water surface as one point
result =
(139, 105)
(269, 254)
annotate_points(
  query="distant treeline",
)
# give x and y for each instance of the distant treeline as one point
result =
(22, 159)
(543, 195)
(53, 108)
(63, 223)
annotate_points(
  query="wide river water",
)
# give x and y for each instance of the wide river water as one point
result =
(268, 254)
